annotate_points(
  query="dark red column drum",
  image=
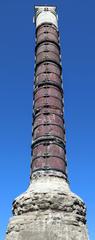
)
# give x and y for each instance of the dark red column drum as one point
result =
(48, 145)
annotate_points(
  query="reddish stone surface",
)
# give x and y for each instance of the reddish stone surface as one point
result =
(51, 163)
(48, 90)
(50, 78)
(47, 47)
(48, 67)
(53, 102)
(47, 28)
(47, 56)
(48, 118)
(48, 129)
(47, 36)
(48, 148)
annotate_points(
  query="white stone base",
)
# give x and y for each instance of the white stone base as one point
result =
(48, 210)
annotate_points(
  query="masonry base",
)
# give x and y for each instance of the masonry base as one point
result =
(48, 210)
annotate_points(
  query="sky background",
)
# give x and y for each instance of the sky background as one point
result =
(17, 42)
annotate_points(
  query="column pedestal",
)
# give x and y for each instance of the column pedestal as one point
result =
(48, 210)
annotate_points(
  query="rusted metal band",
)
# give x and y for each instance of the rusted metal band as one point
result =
(47, 46)
(46, 60)
(46, 25)
(38, 45)
(48, 168)
(48, 135)
(50, 62)
(47, 86)
(51, 83)
(47, 42)
(49, 140)
(49, 124)
(46, 72)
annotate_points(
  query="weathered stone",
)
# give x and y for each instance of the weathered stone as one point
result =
(48, 210)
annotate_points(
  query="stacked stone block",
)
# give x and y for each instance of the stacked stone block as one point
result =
(48, 148)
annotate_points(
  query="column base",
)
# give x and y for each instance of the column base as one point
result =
(48, 210)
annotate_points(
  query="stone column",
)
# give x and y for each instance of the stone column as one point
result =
(48, 147)
(48, 210)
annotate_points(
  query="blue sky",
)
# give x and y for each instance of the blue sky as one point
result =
(77, 36)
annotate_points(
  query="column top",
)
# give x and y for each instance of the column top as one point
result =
(45, 14)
